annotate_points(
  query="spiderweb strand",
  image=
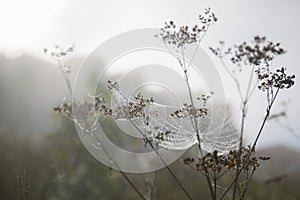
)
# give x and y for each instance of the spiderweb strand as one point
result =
(217, 130)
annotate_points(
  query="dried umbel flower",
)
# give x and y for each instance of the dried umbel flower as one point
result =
(185, 35)
(192, 111)
(64, 108)
(126, 108)
(220, 51)
(259, 51)
(258, 54)
(101, 105)
(57, 52)
(278, 79)
(216, 164)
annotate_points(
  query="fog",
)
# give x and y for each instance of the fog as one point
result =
(35, 138)
(29, 27)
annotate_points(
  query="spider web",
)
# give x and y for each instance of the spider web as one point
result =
(216, 131)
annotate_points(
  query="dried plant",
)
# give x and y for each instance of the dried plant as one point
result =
(258, 56)
(23, 182)
(85, 108)
(220, 150)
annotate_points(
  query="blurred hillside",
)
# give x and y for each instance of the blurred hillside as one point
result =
(285, 162)
(29, 88)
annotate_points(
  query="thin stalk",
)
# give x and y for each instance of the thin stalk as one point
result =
(247, 184)
(132, 185)
(244, 112)
(240, 146)
(162, 160)
(196, 125)
(233, 78)
(23, 185)
(192, 101)
(252, 90)
(249, 83)
(21, 190)
(215, 185)
(265, 119)
(65, 77)
(210, 185)
(197, 47)
(26, 185)
(138, 192)
(153, 185)
(255, 142)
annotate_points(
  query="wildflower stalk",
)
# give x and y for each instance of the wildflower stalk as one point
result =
(248, 180)
(180, 38)
(244, 113)
(244, 104)
(132, 184)
(69, 87)
(65, 77)
(185, 70)
(153, 185)
(206, 174)
(162, 160)
(268, 110)
(23, 186)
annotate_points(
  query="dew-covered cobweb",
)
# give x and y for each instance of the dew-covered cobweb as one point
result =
(216, 130)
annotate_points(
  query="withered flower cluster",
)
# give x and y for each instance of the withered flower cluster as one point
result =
(257, 55)
(218, 164)
(125, 108)
(278, 79)
(64, 109)
(189, 110)
(85, 108)
(259, 51)
(220, 51)
(58, 52)
(185, 35)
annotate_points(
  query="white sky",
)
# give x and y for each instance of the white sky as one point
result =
(32, 24)
(29, 26)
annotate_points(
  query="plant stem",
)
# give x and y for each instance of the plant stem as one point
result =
(162, 160)
(132, 185)
(196, 123)
(244, 100)
(240, 146)
(65, 77)
(255, 142)
(247, 184)
(215, 185)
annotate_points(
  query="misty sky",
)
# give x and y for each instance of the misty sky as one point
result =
(29, 26)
